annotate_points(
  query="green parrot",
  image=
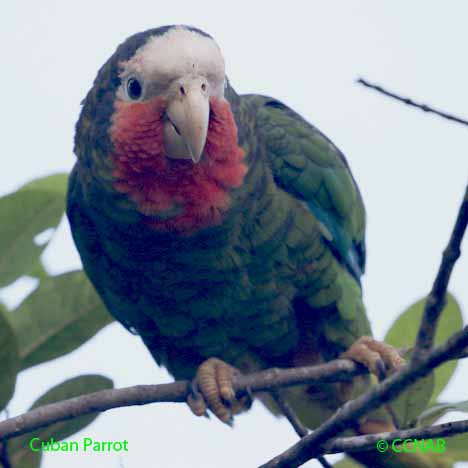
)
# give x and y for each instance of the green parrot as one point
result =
(225, 230)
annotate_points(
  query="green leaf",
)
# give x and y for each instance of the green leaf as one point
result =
(9, 359)
(23, 456)
(444, 460)
(19, 448)
(437, 410)
(457, 447)
(347, 462)
(410, 403)
(403, 334)
(32, 209)
(59, 316)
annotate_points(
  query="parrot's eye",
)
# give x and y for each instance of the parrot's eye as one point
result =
(134, 89)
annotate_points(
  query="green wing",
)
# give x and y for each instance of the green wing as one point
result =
(309, 166)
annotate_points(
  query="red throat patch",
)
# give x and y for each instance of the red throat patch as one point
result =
(175, 195)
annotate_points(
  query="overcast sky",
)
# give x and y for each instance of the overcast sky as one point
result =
(412, 168)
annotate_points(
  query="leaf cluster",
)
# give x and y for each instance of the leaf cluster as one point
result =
(61, 313)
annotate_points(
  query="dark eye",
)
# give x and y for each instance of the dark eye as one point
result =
(134, 89)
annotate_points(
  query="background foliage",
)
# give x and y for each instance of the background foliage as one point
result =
(62, 313)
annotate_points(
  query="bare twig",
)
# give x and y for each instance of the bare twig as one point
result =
(91, 403)
(323, 461)
(437, 298)
(410, 102)
(311, 445)
(300, 429)
(283, 405)
(332, 371)
(367, 442)
(4, 459)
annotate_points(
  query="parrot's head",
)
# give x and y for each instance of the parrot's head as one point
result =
(156, 127)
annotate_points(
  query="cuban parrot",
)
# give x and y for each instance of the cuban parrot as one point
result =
(225, 230)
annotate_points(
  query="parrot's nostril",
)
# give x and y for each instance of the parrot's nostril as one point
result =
(182, 90)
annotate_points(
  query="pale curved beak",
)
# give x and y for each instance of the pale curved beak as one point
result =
(187, 125)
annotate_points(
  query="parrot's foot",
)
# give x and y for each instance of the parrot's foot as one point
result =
(380, 358)
(212, 389)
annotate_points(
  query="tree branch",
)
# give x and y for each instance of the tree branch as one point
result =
(4, 459)
(300, 429)
(311, 445)
(368, 442)
(337, 370)
(437, 298)
(91, 403)
(176, 392)
(410, 102)
(287, 411)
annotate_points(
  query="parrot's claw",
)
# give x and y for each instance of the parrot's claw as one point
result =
(196, 401)
(212, 389)
(380, 358)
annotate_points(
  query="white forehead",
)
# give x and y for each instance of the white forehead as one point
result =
(177, 53)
